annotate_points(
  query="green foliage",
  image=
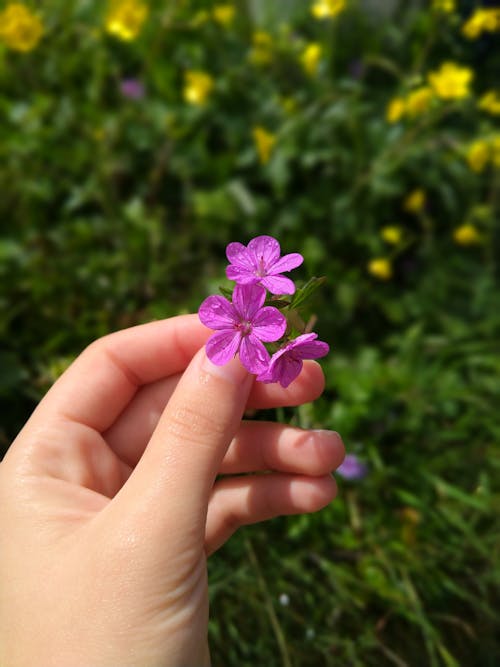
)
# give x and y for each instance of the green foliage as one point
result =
(116, 211)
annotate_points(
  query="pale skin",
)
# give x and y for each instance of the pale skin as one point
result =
(121, 484)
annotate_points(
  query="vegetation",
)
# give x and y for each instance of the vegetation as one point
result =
(139, 138)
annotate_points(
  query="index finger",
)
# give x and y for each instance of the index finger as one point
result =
(100, 383)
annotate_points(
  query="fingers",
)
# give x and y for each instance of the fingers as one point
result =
(241, 501)
(183, 456)
(269, 446)
(131, 431)
(103, 379)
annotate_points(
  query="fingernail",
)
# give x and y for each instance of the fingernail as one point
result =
(330, 435)
(233, 371)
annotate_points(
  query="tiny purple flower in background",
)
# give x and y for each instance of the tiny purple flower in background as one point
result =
(260, 263)
(287, 362)
(241, 326)
(352, 468)
(132, 89)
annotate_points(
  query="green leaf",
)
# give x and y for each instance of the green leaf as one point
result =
(303, 293)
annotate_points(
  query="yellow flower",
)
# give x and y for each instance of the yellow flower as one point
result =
(451, 81)
(261, 52)
(478, 155)
(482, 20)
(490, 102)
(466, 234)
(380, 268)
(223, 14)
(395, 110)
(391, 234)
(445, 6)
(125, 18)
(419, 100)
(20, 28)
(310, 57)
(415, 201)
(197, 87)
(325, 9)
(264, 142)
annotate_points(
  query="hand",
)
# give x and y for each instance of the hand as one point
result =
(110, 499)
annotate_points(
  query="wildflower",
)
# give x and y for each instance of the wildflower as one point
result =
(197, 87)
(415, 201)
(310, 57)
(395, 110)
(381, 268)
(264, 142)
(391, 234)
(125, 18)
(419, 101)
(261, 52)
(241, 326)
(223, 14)
(287, 362)
(478, 155)
(326, 9)
(260, 263)
(445, 6)
(352, 468)
(482, 20)
(20, 28)
(466, 234)
(490, 102)
(451, 81)
(133, 89)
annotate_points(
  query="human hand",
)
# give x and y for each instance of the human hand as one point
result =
(110, 499)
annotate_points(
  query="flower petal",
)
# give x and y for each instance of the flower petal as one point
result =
(242, 275)
(216, 312)
(253, 355)
(247, 300)
(307, 347)
(286, 263)
(238, 254)
(286, 369)
(278, 284)
(222, 346)
(264, 250)
(269, 324)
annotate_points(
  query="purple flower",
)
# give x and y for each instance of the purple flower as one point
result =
(352, 468)
(241, 326)
(133, 89)
(287, 362)
(260, 262)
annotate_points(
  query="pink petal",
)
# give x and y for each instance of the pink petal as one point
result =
(216, 312)
(307, 347)
(286, 369)
(264, 250)
(238, 254)
(247, 300)
(269, 324)
(242, 275)
(287, 263)
(222, 346)
(253, 355)
(278, 284)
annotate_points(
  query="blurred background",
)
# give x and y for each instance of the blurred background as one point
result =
(138, 138)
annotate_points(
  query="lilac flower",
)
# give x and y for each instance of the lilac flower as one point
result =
(241, 326)
(352, 468)
(287, 362)
(133, 89)
(260, 263)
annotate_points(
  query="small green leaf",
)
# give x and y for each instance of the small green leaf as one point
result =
(303, 293)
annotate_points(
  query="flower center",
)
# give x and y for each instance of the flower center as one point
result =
(244, 327)
(261, 268)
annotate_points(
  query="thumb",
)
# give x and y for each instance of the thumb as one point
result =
(177, 471)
